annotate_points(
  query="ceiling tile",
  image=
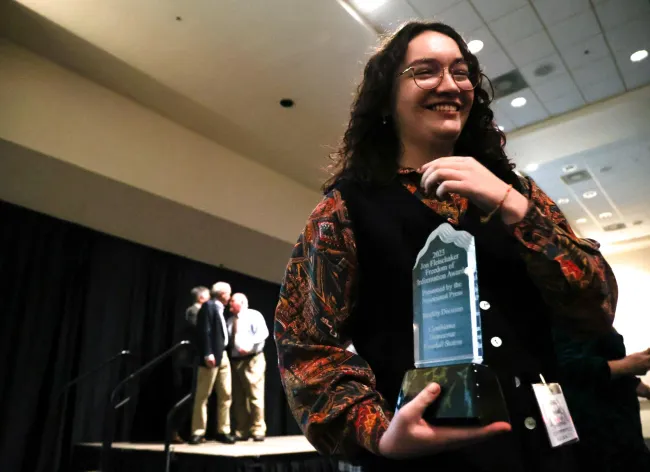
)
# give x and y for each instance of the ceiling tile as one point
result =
(553, 60)
(502, 108)
(554, 11)
(502, 105)
(637, 77)
(601, 90)
(462, 17)
(533, 114)
(491, 10)
(576, 55)
(489, 42)
(516, 25)
(501, 120)
(614, 13)
(392, 14)
(429, 9)
(564, 104)
(631, 36)
(575, 29)
(594, 72)
(495, 64)
(626, 66)
(530, 49)
(530, 113)
(598, 204)
(559, 86)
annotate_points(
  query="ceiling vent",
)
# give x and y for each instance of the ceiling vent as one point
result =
(614, 227)
(575, 177)
(543, 70)
(508, 83)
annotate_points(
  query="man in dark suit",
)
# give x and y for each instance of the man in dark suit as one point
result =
(184, 360)
(200, 295)
(213, 371)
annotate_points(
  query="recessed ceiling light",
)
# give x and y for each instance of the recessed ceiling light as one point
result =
(589, 194)
(532, 167)
(581, 221)
(367, 6)
(562, 201)
(639, 55)
(518, 102)
(569, 168)
(501, 128)
(286, 103)
(604, 215)
(475, 45)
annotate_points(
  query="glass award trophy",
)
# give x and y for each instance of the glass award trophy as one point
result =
(447, 335)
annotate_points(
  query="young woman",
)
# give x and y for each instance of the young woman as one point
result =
(422, 149)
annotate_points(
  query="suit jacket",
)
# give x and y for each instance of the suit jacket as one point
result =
(191, 314)
(210, 334)
(186, 330)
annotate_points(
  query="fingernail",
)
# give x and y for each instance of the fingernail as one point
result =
(434, 388)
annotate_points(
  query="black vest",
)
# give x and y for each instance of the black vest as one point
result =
(390, 227)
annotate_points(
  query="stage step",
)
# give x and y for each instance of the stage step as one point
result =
(276, 453)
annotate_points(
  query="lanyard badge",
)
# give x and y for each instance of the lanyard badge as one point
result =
(555, 413)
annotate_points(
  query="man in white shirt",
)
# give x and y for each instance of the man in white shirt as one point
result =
(248, 333)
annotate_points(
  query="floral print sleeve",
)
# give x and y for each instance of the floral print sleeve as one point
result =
(331, 390)
(571, 274)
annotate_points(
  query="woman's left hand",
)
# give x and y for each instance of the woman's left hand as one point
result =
(468, 178)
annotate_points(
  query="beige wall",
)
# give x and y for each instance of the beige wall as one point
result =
(60, 114)
(53, 187)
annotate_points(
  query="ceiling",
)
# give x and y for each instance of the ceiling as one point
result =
(586, 46)
(225, 65)
(604, 193)
(221, 69)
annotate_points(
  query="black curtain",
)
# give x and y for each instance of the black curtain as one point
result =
(73, 297)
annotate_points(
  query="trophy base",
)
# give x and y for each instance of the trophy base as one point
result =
(470, 395)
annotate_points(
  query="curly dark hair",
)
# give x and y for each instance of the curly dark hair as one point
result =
(370, 150)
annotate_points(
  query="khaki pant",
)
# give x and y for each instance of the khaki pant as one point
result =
(218, 378)
(248, 398)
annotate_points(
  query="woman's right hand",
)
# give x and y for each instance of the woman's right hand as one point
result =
(409, 435)
(643, 390)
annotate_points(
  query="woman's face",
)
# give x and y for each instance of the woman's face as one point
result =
(429, 117)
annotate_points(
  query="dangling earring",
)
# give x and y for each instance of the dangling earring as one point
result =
(384, 120)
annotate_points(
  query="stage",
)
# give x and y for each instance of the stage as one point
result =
(277, 454)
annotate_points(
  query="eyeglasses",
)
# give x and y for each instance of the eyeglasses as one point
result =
(428, 74)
